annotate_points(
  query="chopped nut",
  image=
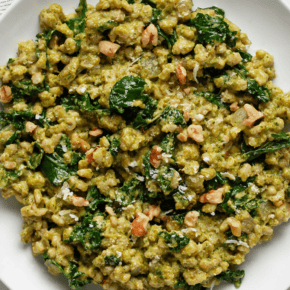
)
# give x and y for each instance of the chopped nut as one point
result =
(195, 133)
(154, 211)
(96, 132)
(79, 201)
(30, 127)
(5, 94)
(235, 225)
(150, 35)
(181, 73)
(139, 225)
(187, 91)
(108, 48)
(156, 156)
(186, 116)
(191, 219)
(182, 136)
(90, 154)
(278, 203)
(213, 196)
(77, 141)
(109, 210)
(253, 115)
(234, 107)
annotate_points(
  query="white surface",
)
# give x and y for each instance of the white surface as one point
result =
(267, 23)
(4, 4)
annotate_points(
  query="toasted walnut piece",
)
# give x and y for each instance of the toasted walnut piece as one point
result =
(79, 201)
(9, 165)
(235, 225)
(5, 94)
(108, 48)
(109, 210)
(155, 156)
(96, 132)
(139, 225)
(253, 115)
(182, 137)
(234, 107)
(90, 154)
(150, 35)
(186, 116)
(195, 133)
(30, 127)
(213, 196)
(181, 73)
(80, 143)
(154, 211)
(191, 218)
(278, 203)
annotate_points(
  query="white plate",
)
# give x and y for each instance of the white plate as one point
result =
(267, 23)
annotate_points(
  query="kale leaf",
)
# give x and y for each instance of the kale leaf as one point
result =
(128, 91)
(253, 153)
(87, 234)
(248, 204)
(215, 182)
(96, 199)
(245, 56)
(212, 29)
(78, 24)
(107, 26)
(234, 277)
(182, 283)
(114, 145)
(164, 178)
(82, 103)
(258, 92)
(167, 144)
(10, 60)
(36, 157)
(129, 192)
(174, 116)
(217, 10)
(234, 191)
(72, 275)
(179, 217)
(7, 176)
(213, 98)
(27, 89)
(174, 241)
(112, 260)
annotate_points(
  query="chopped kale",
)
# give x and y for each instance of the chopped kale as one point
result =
(258, 92)
(179, 217)
(27, 89)
(112, 260)
(78, 24)
(36, 157)
(149, 2)
(234, 277)
(87, 233)
(182, 284)
(244, 236)
(167, 144)
(82, 103)
(253, 153)
(96, 199)
(234, 191)
(174, 241)
(215, 182)
(164, 178)
(213, 98)
(7, 176)
(212, 29)
(124, 96)
(107, 26)
(246, 203)
(72, 275)
(174, 116)
(129, 192)
(114, 145)
(10, 60)
(281, 136)
(159, 274)
(217, 10)
(245, 56)
(148, 168)
(131, 1)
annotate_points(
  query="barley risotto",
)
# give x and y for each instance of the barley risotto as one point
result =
(145, 144)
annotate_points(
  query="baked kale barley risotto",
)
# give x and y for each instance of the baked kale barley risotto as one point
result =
(145, 145)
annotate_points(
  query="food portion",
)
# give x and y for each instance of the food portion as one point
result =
(145, 144)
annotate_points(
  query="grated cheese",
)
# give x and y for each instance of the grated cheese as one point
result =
(238, 243)
(195, 70)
